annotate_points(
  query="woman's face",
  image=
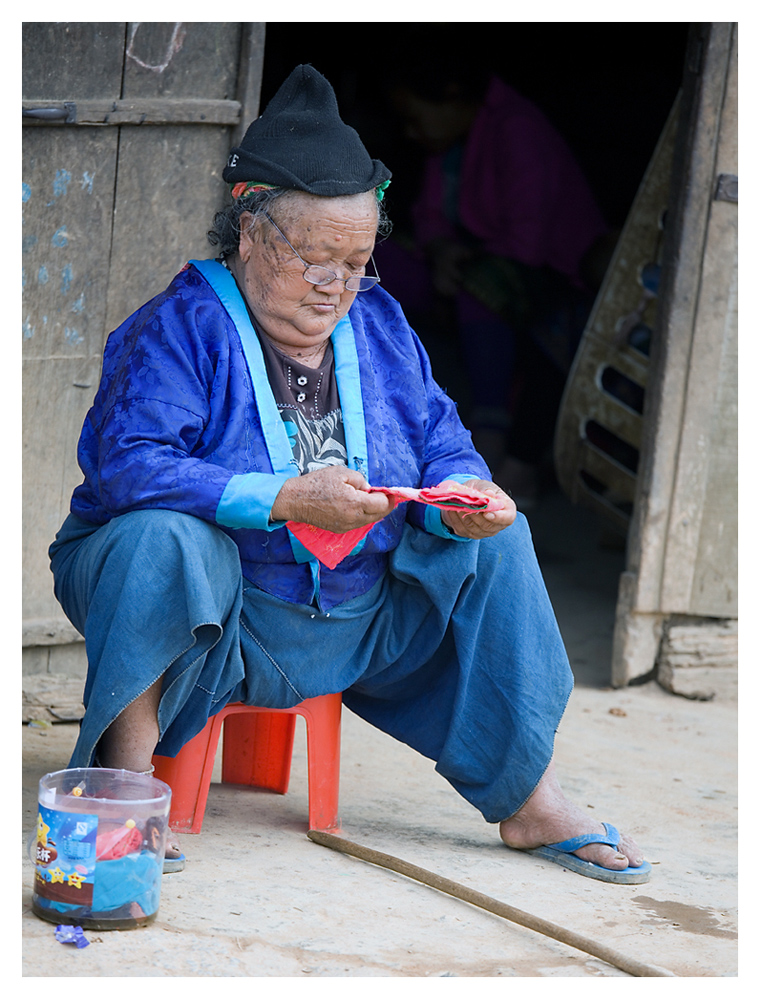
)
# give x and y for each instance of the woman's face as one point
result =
(337, 233)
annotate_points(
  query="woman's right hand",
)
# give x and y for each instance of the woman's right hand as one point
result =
(334, 498)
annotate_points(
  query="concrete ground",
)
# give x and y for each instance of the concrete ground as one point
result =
(258, 898)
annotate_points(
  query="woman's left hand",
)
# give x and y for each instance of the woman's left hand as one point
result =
(479, 525)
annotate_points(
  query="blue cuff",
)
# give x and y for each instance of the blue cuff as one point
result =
(462, 477)
(433, 522)
(248, 499)
(435, 526)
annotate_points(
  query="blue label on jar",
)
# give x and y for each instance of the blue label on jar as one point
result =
(65, 856)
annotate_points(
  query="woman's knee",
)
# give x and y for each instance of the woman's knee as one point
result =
(160, 530)
(156, 565)
(149, 550)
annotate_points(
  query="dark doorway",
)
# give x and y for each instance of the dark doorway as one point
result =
(607, 87)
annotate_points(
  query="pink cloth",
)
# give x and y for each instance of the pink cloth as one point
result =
(521, 191)
(117, 843)
(331, 547)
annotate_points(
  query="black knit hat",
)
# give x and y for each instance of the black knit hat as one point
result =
(299, 141)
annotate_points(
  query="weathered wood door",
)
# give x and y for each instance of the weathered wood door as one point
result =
(678, 599)
(127, 129)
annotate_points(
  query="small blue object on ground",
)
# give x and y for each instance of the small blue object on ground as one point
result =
(67, 934)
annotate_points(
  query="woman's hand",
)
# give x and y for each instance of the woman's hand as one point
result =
(479, 525)
(334, 498)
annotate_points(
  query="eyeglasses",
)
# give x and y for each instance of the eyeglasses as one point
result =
(315, 274)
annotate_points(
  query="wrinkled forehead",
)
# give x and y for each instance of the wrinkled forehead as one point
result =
(314, 219)
(315, 206)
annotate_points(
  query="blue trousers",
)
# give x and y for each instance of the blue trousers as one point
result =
(455, 652)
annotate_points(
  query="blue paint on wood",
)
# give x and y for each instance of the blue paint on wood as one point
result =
(72, 335)
(61, 182)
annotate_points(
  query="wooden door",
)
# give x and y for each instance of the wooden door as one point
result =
(678, 598)
(127, 129)
(665, 469)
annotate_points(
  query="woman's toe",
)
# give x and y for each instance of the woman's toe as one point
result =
(606, 857)
(626, 855)
(633, 853)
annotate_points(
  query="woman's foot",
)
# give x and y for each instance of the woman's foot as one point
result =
(549, 818)
(172, 851)
(174, 859)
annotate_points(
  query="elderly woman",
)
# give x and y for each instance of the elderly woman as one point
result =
(274, 385)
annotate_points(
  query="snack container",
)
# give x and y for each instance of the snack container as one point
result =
(99, 846)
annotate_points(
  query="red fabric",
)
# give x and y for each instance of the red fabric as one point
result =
(331, 547)
(460, 499)
(116, 843)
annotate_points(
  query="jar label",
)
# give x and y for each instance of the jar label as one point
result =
(65, 856)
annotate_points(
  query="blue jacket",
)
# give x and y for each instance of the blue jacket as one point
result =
(184, 419)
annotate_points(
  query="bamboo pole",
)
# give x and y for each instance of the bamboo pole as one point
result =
(632, 966)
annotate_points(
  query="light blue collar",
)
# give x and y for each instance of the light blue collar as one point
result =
(273, 428)
(346, 367)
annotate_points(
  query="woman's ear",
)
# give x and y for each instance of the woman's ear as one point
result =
(246, 235)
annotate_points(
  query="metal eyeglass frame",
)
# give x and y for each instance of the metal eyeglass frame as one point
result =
(369, 281)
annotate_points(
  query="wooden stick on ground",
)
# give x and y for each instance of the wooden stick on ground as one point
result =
(562, 934)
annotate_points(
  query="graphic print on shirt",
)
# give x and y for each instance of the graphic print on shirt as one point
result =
(315, 443)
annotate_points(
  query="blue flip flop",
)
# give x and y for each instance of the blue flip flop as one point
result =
(562, 854)
(174, 865)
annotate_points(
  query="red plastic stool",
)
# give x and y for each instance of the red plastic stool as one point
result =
(257, 748)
